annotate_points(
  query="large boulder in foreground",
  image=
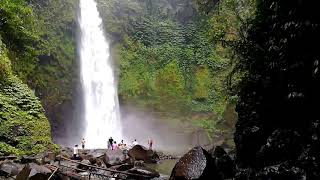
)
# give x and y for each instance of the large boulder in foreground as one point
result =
(113, 157)
(225, 165)
(139, 152)
(39, 172)
(9, 168)
(196, 164)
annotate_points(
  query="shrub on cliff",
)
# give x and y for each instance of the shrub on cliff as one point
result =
(24, 129)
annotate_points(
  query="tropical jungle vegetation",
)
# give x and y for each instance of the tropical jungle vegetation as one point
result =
(176, 59)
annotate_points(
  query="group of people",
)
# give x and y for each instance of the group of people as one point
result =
(111, 145)
(114, 146)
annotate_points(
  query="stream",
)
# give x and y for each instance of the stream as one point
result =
(164, 167)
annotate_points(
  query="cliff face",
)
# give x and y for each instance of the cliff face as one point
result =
(23, 126)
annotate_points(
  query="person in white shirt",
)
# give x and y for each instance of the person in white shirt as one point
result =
(135, 142)
(83, 142)
(75, 152)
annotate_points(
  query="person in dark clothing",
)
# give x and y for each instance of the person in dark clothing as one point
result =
(110, 143)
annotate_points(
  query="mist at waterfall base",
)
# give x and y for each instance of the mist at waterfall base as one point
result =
(168, 137)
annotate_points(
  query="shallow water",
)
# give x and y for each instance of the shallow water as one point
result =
(164, 167)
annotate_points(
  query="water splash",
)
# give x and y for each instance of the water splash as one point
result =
(98, 80)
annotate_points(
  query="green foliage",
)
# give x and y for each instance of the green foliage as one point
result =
(5, 66)
(167, 63)
(18, 29)
(17, 25)
(180, 67)
(208, 125)
(41, 46)
(6, 150)
(203, 83)
(23, 125)
(170, 89)
(56, 70)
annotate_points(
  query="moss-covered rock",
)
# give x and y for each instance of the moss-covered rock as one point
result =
(24, 129)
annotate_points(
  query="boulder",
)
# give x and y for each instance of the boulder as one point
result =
(161, 177)
(282, 171)
(96, 153)
(225, 165)
(112, 158)
(106, 160)
(24, 173)
(281, 145)
(67, 152)
(39, 172)
(139, 152)
(9, 169)
(122, 167)
(51, 156)
(28, 159)
(245, 174)
(139, 163)
(309, 160)
(85, 161)
(196, 164)
(144, 171)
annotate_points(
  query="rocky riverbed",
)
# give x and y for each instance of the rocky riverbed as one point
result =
(98, 163)
(140, 163)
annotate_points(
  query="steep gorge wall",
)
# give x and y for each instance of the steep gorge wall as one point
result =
(24, 128)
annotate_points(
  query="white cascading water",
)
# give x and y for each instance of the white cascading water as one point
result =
(98, 80)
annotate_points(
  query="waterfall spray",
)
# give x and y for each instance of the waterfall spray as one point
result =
(101, 112)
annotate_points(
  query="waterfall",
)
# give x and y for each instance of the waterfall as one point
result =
(101, 106)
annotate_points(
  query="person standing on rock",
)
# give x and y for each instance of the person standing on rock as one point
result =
(125, 151)
(114, 146)
(135, 142)
(75, 152)
(110, 143)
(150, 143)
(83, 143)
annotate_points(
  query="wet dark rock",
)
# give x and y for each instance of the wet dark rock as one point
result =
(93, 160)
(24, 173)
(225, 165)
(122, 167)
(97, 153)
(84, 167)
(39, 172)
(245, 174)
(281, 145)
(163, 156)
(309, 160)
(112, 158)
(9, 168)
(28, 159)
(66, 152)
(144, 171)
(161, 177)
(282, 171)
(139, 152)
(51, 156)
(196, 164)
(139, 163)
(105, 159)
(248, 139)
